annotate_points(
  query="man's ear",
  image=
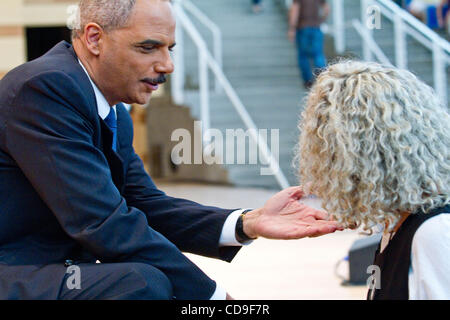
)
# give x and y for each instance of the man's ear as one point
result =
(92, 36)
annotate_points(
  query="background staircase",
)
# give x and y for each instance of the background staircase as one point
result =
(261, 65)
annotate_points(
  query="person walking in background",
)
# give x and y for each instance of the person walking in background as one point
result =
(443, 14)
(305, 18)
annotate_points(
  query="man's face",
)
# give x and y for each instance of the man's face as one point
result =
(134, 59)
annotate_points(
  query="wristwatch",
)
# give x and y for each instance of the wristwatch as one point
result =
(240, 234)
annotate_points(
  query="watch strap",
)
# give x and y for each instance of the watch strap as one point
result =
(240, 234)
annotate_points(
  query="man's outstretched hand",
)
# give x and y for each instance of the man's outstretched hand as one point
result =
(284, 217)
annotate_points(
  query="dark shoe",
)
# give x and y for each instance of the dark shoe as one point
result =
(308, 84)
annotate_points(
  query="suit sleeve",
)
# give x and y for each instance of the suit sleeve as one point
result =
(190, 226)
(49, 135)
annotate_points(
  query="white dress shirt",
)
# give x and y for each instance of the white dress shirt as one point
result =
(227, 237)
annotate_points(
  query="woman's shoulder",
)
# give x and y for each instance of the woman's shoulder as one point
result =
(433, 234)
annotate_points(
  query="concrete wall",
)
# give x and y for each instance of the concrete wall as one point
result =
(163, 118)
(15, 16)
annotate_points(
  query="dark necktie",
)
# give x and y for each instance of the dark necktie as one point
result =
(111, 122)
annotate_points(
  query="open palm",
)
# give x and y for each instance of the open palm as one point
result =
(284, 217)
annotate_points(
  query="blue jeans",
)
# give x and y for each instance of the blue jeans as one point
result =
(310, 49)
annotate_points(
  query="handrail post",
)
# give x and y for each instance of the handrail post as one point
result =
(215, 30)
(401, 54)
(373, 46)
(240, 108)
(439, 74)
(178, 76)
(204, 94)
(339, 29)
(218, 55)
(367, 53)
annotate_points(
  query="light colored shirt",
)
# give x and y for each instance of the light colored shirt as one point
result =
(429, 272)
(228, 235)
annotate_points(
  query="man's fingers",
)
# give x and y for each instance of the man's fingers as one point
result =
(313, 230)
(318, 231)
(331, 223)
(321, 215)
(297, 192)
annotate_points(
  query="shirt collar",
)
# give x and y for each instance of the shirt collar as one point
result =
(102, 104)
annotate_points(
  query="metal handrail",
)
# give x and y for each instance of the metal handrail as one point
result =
(338, 26)
(207, 62)
(178, 82)
(372, 45)
(215, 30)
(405, 23)
(416, 24)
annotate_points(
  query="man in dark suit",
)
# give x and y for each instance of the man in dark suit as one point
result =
(73, 191)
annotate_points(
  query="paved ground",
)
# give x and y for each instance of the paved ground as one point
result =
(268, 269)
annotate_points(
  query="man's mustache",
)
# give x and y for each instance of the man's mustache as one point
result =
(161, 79)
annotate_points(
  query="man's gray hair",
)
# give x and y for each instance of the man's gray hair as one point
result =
(109, 14)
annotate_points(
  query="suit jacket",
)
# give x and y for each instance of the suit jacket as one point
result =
(65, 194)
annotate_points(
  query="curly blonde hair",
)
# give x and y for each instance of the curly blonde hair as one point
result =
(374, 143)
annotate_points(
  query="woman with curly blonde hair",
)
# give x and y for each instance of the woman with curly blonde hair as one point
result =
(375, 147)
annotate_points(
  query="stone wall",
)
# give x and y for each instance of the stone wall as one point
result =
(15, 16)
(163, 118)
